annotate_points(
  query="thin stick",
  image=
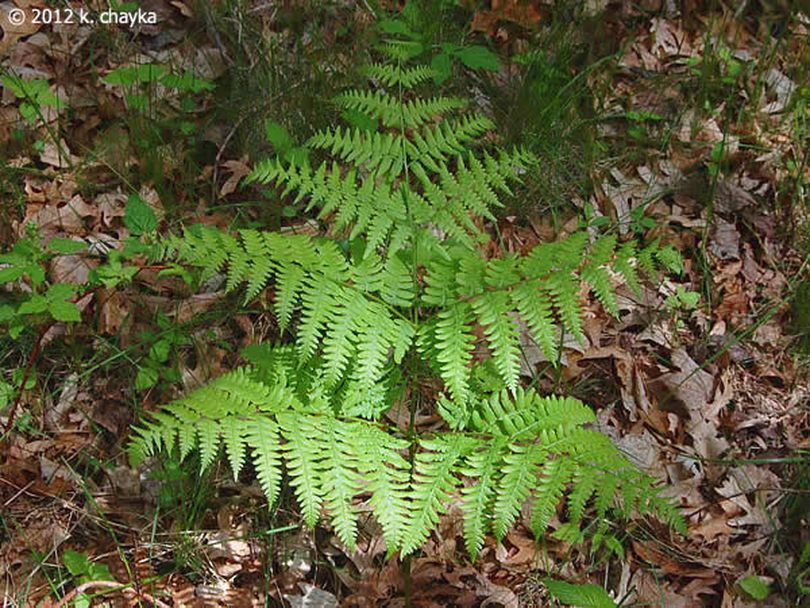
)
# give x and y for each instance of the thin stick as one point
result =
(28, 366)
(109, 585)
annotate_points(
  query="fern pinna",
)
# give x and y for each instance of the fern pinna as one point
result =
(400, 279)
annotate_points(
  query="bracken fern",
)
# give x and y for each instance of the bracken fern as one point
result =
(410, 198)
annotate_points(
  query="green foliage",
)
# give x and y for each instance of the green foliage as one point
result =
(138, 216)
(418, 27)
(36, 94)
(283, 143)
(138, 77)
(83, 570)
(802, 571)
(584, 596)
(402, 279)
(160, 347)
(35, 300)
(29, 299)
(414, 169)
(512, 449)
(755, 587)
(80, 566)
(162, 123)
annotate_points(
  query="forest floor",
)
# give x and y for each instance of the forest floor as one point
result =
(688, 123)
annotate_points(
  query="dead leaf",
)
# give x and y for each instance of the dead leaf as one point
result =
(711, 528)
(184, 8)
(68, 218)
(524, 14)
(58, 156)
(114, 309)
(110, 205)
(725, 240)
(730, 198)
(150, 196)
(668, 39)
(781, 87)
(689, 392)
(658, 555)
(71, 269)
(13, 30)
(312, 598)
(238, 169)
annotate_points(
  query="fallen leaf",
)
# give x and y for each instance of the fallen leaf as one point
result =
(14, 30)
(781, 87)
(58, 156)
(725, 240)
(524, 14)
(238, 169)
(312, 598)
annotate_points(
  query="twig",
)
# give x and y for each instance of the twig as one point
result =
(28, 366)
(220, 152)
(109, 585)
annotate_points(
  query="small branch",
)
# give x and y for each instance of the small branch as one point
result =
(27, 372)
(109, 585)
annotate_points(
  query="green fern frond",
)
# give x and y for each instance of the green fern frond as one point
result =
(401, 51)
(382, 152)
(564, 291)
(624, 264)
(646, 260)
(400, 285)
(339, 477)
(583, 487)
(434, 481)
(393, 113)
(554, 476)
(289, 284)
(387, 474)
(397, 286)
(208, 436)
(319, 304)
(518, 448)
(340, 342)
(303, 459)
(493, 310)
(519, 471)
(483, 467)
(670, 258)
(534, 306)
(373, 343)
(232, 429)
(395, 75)
(261, 264)
(454, 343)
(262, 436)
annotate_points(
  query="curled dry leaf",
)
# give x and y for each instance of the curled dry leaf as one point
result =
(725, 241)
(689, 392)
(57, 155)
(781, 87)
(13, 30)
(312, 598)
(69, 218)
(238, 169)
(71, 268)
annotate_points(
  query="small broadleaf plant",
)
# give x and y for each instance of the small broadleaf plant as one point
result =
(398, 289)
